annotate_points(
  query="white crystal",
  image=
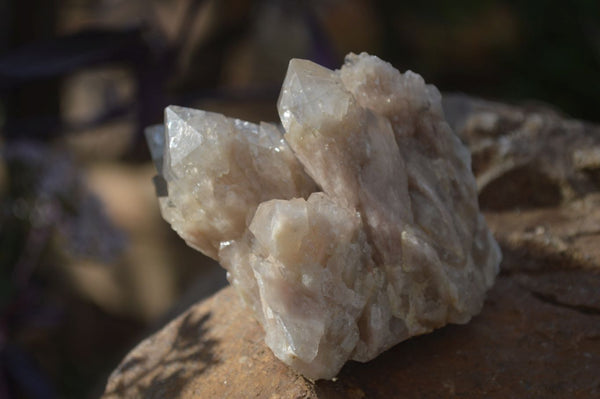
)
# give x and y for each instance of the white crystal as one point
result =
(392, 246)
(218, 170)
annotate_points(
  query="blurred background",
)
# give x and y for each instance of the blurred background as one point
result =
(87, 266)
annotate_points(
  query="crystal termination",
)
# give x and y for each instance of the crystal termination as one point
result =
(353, 229)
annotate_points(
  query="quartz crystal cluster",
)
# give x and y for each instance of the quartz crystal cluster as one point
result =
(351, 228)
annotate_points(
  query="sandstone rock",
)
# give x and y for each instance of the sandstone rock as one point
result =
(526, 157)
(538, 335)
(394, 246)
(567, 235)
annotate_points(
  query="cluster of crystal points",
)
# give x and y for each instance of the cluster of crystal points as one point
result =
(351, 230)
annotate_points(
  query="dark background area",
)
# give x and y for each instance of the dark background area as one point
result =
(87, 266)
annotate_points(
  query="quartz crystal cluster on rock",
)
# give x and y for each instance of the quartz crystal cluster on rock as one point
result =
(354, 227)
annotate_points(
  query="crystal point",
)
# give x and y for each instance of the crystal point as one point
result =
(355, 229)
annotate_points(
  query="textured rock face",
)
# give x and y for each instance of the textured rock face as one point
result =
(392, 246)
(526, 157)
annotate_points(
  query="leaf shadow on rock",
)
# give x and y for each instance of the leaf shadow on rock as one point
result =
(163, 365)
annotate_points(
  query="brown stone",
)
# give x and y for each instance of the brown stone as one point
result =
(525, 157)
(548, 238)
(537, 336)
(205, 353)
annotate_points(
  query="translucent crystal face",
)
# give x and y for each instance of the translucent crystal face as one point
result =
(218, 170)
(390, 243)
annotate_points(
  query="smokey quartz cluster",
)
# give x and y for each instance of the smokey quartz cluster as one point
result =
(352, 227)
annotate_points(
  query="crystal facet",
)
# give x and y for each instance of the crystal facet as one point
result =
(382, 242)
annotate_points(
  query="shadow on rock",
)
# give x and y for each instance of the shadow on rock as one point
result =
(163, 364)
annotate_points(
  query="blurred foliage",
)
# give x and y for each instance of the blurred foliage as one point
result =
(46, 216)
(511, 50)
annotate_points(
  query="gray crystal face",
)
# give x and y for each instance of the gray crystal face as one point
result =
(356, 229)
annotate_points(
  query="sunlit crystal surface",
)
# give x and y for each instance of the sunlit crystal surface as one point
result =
(390, 244)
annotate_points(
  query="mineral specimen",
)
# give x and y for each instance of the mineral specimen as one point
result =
(382, 242)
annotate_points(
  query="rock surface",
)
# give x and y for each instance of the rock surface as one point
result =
(394, 246)
(538, 335)
(526, 157)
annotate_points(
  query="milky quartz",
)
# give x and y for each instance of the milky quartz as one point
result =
(354, 227)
